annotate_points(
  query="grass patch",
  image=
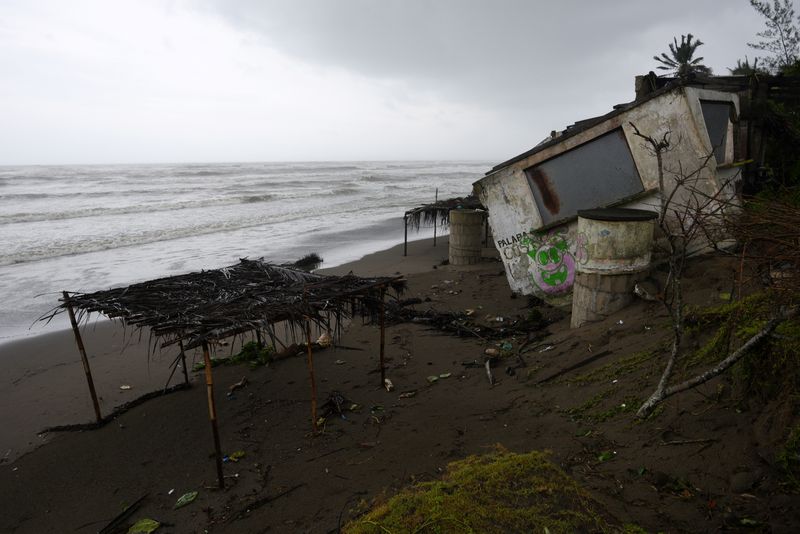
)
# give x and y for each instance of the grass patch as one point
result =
(615, 369)
(253, 353)
(789, 458)
(497, 492)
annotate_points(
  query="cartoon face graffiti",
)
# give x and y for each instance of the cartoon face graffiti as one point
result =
(553, 265)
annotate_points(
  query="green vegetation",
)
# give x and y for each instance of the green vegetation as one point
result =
(615, 369)
(681, 61)
(253, 353)
(789, 458)
(498, 492)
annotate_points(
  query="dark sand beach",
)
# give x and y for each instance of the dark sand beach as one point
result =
(699, 466)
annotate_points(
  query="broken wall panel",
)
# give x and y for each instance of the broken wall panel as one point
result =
(716, 116)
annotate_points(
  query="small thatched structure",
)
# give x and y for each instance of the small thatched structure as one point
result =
(437, 214)
(197, 309)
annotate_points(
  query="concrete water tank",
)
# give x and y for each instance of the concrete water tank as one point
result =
(619, 243)
(465, 236)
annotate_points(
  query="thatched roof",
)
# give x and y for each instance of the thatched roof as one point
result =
(216, 304)
(439, 212)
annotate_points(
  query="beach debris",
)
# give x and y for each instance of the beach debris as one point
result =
(388, 384)
(407, 394)
(144, 526)
(445, 375)
(547, 348)
(472, 364)
(170, 492)
(114, 524)
(488, 365)
(236, 456)
(335, 404)
(506, 346)
(432, 379)
(125, 387)
(240, 384)
(492, 352)
(511, 371)
(186, 498)
(325, 340)
(620, 322)
(340, 362)
(469, 312)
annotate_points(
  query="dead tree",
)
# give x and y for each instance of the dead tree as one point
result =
(690, 217)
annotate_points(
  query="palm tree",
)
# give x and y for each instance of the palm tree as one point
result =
(745, 68)
(680, 61)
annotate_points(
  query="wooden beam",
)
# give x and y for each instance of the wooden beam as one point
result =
(212, 414)
(311, 377)
(84, 359)
(383, 336)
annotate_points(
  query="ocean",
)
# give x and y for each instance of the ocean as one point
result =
(91, 227)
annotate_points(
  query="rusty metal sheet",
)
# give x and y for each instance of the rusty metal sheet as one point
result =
(594, 174)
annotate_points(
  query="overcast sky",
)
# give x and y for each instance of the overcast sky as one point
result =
(301, 80)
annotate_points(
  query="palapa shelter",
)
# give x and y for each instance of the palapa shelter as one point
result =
(436, 214)
(202, 308)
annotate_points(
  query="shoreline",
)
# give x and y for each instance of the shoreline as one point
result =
(48, 366)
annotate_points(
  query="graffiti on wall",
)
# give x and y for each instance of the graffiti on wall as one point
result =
(552, 256)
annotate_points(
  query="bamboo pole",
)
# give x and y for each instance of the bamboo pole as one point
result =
(183, 362)
(405, 236)
(212, 414)
(383, 336)
(435, 216)
(311, 377)
(84, 359)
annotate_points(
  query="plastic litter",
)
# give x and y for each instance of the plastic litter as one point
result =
(125, 387)
(388, 384)
(432, 379)
(186, 498)
(236, 456)
(445, 375)
(144, 526)
(325, 340)
(339, 362)
(407, 394)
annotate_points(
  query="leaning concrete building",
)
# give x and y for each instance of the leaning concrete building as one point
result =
(533, 199)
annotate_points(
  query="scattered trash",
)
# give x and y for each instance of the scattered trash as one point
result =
(506, 346)
(170, 492)
(144, 526)
(236, 456)
(125, 387)
(488, 365)
(407, 394)
(510, 371)
(335, 405)
(469, 312)
(551, 347)
(339, 362)
(354, 407)
(648, 328)
(432, 379)
(325, 340)
(725, 296)
(186, 498)
(605, 456)
(614, 381)
(499, 319)
(445, 375)
(492, 352)
(388, 384)
(240, 384)
(620, 322)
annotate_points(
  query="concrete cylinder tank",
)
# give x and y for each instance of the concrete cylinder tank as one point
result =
(619, 243)
(466, 232)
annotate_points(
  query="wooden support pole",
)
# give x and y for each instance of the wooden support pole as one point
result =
(84, 359)
(383, 336)
(405, 238)
(435, 216)
(212, 414)
(311, 377)
(183, 362)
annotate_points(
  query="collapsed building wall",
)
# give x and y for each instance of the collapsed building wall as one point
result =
(533, 199)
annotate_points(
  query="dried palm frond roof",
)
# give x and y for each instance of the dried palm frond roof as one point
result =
(216, 304)
(439, 211)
